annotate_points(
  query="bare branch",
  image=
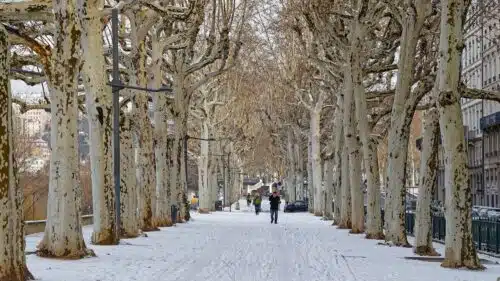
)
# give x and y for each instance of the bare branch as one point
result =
(34, 10)
(25, 107)
(480, 94)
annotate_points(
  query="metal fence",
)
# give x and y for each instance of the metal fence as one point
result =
(485, 233)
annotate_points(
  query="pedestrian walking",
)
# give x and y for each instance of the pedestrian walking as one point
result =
(274, 201)
(256, 202)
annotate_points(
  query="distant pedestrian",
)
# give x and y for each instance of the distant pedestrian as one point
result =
(275, 202)
(249, 200)
(256, 202)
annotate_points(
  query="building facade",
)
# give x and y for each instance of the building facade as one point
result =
(31, 123)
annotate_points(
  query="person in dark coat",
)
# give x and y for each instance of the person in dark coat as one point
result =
(274, 201)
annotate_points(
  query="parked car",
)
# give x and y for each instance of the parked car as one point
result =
(218, 205)
(486, 213)
(297, 206)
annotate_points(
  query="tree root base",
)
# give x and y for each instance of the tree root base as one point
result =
(203, 211)
(356, 231)
(83, 253)
(375, 236)
(150, 229)
(426, 251)
(125, 235)
(17, 276)
(344, 225)
(318, 214)
(164, 223)
(104, 238)
(392, 244)
(471, 265)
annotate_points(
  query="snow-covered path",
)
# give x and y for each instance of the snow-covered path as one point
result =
(241, 246)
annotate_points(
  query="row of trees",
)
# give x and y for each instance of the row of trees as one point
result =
(65, 45)
(320, 82)
(347, 77)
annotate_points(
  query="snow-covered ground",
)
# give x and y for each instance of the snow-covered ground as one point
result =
(240, 246)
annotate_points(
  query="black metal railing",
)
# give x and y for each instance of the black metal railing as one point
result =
(485, 232)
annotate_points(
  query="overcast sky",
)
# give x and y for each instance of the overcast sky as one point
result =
(19, 88)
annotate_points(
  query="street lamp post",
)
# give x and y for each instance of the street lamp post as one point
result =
(116, 117)
(117, 85)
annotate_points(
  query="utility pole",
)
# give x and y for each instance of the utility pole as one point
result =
(116, 117)
(116, 86)
(482, 100)
(228, 182)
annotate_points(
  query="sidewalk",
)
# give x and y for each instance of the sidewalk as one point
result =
(240, 246)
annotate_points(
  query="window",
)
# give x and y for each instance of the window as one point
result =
(494, 68)
(486, 72)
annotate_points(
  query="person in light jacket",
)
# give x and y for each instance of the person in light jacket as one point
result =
(256, 202)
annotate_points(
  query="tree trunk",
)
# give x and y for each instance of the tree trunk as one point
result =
(162, 216)
(345, 206)
(337, 158)
(411, 152)
(204, 184)
(362, 126)
(63, 230)
(299, 166)
(353, 146)
(178, 176)
(12, 258)
(292, 184)
(140, 191)
(315, 150)
(227, 184)
(357, 197)
(176, 173)
(170, 166)
(99, 105)
(328, 210)
(374, 228)
(428, 172)
(401, 117)
(144, 133)
(459, 246)
(214, 184)
(129, 227)
(310, 176)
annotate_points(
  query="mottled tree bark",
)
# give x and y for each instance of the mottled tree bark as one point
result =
(428, 173)
(12, 259)
(63, 230)
(99, 103)
(129, 227)
(459, 245)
